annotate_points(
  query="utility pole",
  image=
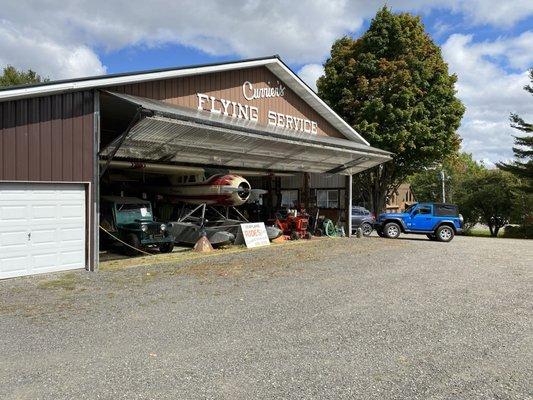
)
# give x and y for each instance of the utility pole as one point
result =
(443, 177)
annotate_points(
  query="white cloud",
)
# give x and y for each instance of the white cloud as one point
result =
(489, 91)
(301, 32)
(496, 12)
(21, 48)
(310, 73)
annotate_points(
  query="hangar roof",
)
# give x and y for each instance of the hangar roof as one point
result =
(273, 63)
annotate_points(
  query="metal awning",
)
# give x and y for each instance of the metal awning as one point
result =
(175, 134)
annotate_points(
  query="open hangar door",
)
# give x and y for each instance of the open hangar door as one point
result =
(149, 148)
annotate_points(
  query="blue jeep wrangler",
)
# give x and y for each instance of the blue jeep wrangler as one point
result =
(436, 220)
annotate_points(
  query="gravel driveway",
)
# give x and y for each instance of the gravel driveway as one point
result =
(331, 318)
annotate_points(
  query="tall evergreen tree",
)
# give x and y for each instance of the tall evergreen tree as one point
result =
(522, 167)
(393, 87)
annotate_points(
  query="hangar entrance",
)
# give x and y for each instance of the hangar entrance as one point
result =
(189, 172)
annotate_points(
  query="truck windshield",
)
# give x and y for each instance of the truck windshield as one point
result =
(127, 213)
(409, 208)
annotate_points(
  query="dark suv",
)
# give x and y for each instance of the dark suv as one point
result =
(362, 218)
(436, 220)
(131, 220)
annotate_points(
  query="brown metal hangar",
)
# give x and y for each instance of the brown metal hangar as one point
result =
(60, 140)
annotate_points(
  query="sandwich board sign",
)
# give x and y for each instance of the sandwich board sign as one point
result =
(253, 234)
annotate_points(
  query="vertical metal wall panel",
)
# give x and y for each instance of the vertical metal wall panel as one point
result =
(47, 138)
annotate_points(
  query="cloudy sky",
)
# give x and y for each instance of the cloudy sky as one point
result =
(487, 43)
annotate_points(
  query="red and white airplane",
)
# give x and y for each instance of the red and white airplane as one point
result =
(190, 185)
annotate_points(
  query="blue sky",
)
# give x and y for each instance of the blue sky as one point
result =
(487, 43)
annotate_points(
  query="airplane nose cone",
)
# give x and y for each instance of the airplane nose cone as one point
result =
(244, 190)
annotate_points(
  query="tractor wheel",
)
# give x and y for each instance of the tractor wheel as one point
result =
(318, 232)
(392, 230)
(308, 235)
(133, 240)
(294, 235)
(444, 233)
(366, 228)
(166, 247)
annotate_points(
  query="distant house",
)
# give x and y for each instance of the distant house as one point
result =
(400, 199)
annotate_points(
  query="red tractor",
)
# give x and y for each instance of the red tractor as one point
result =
(294, 224)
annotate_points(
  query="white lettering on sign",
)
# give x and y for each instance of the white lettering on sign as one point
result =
(291, 122)
(247, 112)
(227, 108)
(251, 93)
(254, 235)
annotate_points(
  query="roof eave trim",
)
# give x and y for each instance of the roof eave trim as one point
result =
(102, 82)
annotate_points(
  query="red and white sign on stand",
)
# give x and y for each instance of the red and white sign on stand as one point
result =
(253, 234)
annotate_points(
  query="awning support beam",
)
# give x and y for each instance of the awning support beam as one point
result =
(136, 118)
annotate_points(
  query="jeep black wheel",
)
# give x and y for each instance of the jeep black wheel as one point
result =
(366, 228)
(166, 247)
(133, 240)
(444, 233)
(392, 230)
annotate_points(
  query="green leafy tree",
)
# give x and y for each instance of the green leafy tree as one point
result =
(12, 77)
(522, 167)
(427, 184)
(393, 87)
(488, 196)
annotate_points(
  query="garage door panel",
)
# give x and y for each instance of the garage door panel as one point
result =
(43, 236)
(15, 264)
(70, 211)
(74, 234)
(13, 212)
(14, 238)
(41, 261)
(42, 228)
(44, 211)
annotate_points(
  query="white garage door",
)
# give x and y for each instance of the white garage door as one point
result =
(42, 228)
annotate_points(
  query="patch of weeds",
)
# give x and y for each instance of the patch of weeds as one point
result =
(65, 281)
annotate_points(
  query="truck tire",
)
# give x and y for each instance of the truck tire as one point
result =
(366, 228)
(166, 247)
(392, 230)
(444, 233)
(133, 241)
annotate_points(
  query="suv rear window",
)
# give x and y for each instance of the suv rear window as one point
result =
(442, 210)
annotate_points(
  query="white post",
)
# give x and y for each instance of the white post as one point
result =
(349, 205)
(443, 177)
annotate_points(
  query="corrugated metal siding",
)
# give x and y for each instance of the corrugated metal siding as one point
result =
(316, 181)
(292, 182)
(47, 138)
(324, 181)
(228, 85)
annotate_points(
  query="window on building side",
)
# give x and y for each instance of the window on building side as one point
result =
(289, 198)
(327, 198)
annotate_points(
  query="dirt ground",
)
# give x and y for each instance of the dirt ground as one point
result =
(327, 318)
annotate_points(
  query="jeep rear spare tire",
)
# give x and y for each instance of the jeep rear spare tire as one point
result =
(444, 233)
(392, 230)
